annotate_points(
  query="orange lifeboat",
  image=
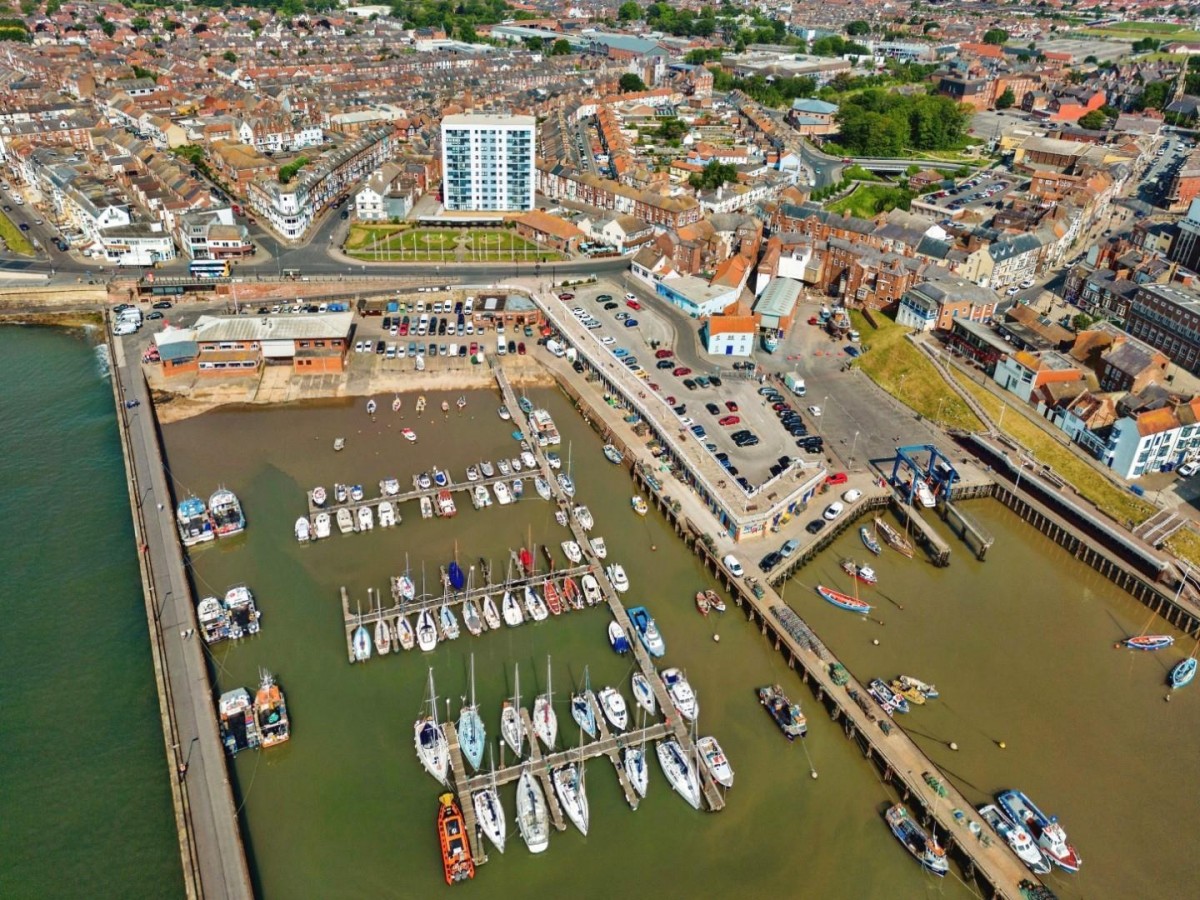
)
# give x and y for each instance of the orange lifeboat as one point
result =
(456, 850)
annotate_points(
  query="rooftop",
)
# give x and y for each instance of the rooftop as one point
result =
(273, 328)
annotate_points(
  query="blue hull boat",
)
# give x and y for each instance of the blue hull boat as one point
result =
(1183, 672)
(647, 631)
(457, 579)
(616, 637)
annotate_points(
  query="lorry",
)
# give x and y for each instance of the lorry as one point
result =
(795, 384)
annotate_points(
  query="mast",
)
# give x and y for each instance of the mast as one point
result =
(432, 699)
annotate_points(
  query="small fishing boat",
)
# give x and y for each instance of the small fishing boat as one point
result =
(924, 495)
(616, 575)
(455, 574)
(433, 750)
(888, 698)
(472, 473)
(567, 485)
(617, 639)
(583, 516)
(591, 590)
(554, 460)
(572, 552)
(345, 520)
(362, 644)
(486, 468)
(928, 691)
(1183, 672)
(701, 603)
(572, 595)
(426, 508)
(1017, 837)
(318, 496)
(356, 492)
(341, 493)
(894, 538)
(503, 466)
(613, 455)
(560, 517)
(843, 601)
(405, 635)
(303, 530)
(553, 599)
(869, 541)
(923, 848)
(427, 633)
(613, 705)
(715, 601)
(491, 615)
(525, 404)
(321, 525)
(270, 712)
(643, 693)
(421, 403)
(448, 623)
(572, 794)
(339, 443)
(503, 496)
(1149, 642)
(647, 631)
(504, 413)
(409, 435)
(680, 772)
(405, 588)
(489, 813)
(511, 610)
(542, 486)
(787, 715)
(681, 693)
(639, 505)
(471, 617)
(387, 514)
(366, 518)
(911, 694)
(533, 816)
(445, 406)
(440, 477)
(865, 574)
(634, 761)
(1045, 830)
(396, 403)
(715, 761)
(599, 548)
(371, 407)
(389, 487)
(535, 605)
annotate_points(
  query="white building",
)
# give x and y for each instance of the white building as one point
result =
(730, 335)
(488, 163)
(140, 244)
(1143, 443)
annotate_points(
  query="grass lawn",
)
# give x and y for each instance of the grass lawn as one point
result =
(1135, 31)
(867, 200)
(421, 239)
(500, 240)
(365, 235)
(904, 372)
(14, 237)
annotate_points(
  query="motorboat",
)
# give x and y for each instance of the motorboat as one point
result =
(616, 575)
(226, 512)
(633, 759)
(1182, 672)
(427, 633)
(518, 488)
(701, 603)
(715, 761)
(356, 493)
(515, 463)
(341, 493)
(924, 849)
(680, 772)
(339, 443)
(405, 635)
(528, 460)
(424, 482)
(321, 525)
(366, 518)
(617, 638)
(865, 574)
(1050, 837)
(486, 468)
(715, 601)
(193, 522)
(1018, 839)
(448, 623)
(345, 520)
(869, 540)
(213, 619)
(511, 610)
(533, 816)
(613, 455)
(572, 552)
(542, 486)
(928, 691)
(889, 699)
(681, 693)
(472, 473)
(371, 407)
(409, 435)
(1149, 642)
(457, 862)
(572, 794)
(303, 530)
(535, 606)
(554, 460)
(925, 495)
(440, 477)
(387, 514)
(787, 715)
(389, 487)
(503, 467)
(444, 505)
(472, 736)
(503, 496)
(433, 750)
(843, 601)
(270, 712)
(583, 516)
(426, 508)
(471, 618)
(481, 497)
(643, 693)
(361, 644)
(591, 590)
(647, 631)
(614, 708)
(238, 727)
(639, 505)
(911, 694)
(405, 588)
(560, 516)
(491, 615)
(396, 403)
(318, 496)
(525, 404)
(599, 548)
(489, 813)
(567, 485)
(243, 615)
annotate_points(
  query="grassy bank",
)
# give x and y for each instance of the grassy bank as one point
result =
(900, 369)
(867, 200)
(14, 237)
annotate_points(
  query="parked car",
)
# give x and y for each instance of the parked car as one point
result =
(814, 411)
(833, 510)
(631, 323)
(836, 478)
(729, 420)
(734, 567)
(633, 304)
(681, 371)
(731, 406)
(815, 526)
(852, 495)
(770, 561)
(664, 364)
(789, 547)
(663, 354)
(163, 304)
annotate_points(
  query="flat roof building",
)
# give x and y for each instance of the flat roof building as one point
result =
(488, 163)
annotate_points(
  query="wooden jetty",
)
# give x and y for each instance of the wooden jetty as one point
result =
(410, 496)
(614, 754)
(459, 773)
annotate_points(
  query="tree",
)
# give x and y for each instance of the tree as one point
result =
(1081, 321)
(1155, 95)
(1007, 99)
(139, 24)
(1145, 45)
(1093, 121)
(857, 27)
(715, 174)
(534, 43)
(630, 82)
(254, 25)
(672, 129)
(229, 56)
(288, 172)
(561, 47)
(629, 11)
(996, 36)
(108, 28)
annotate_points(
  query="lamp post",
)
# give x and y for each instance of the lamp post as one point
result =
(853, 445)
(158, 611)
(820, 419)
(145, 494)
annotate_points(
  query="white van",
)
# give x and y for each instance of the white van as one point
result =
(501, 347)
(123, 327)
(453, 350)
(1188, 469)
(556, 349)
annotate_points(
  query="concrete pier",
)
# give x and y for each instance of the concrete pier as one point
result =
(926, 534)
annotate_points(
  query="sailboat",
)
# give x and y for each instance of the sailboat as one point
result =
(510, 717)
(572, 793)
(427, 633)
(471, 617)
(512, 610)
(490, 814)
(383, 634)
(405, 635)
(362, 641)
(533, 817)
(680, 771)
(643, 693)
(634, 761)
(491, 615)
(582, 709)
(430, 739)
(545, 720)
(471, 733)
(1145, 641)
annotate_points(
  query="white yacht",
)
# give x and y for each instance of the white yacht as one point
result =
(535, 605)
(533, 817)
(634, 760)
(490, 816)
(616, 574)
(679, 771)
(321, 525)
(405, 636)
(491, 615)
(483, 497)
(598, 547)
(681, 693)
(572, 552)
(511, 610)
(366, 518)
(430, 739)
(448, 623)
(503, 494)
(614, 708)
(643, 693)
(510, 718)
(345, 520)
(583, 516)
(591, 589)
(303, 530)
(427, 633)
(542, 486)
(485, 467)
(715, 761)
(572, 794)
(545, 719)
(387, 514)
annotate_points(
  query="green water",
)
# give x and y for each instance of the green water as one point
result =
(84, 797)
(344, 809)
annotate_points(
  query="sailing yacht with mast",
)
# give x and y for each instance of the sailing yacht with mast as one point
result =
(383, 632)
(583, 710)
(545, 720)
(634, 761)
(510, 717)
(471, 733)
(569, 785)
(490, 813)
(433, 750)
(680, 771)
(533, 816)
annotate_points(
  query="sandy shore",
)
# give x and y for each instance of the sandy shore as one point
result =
(178, 399)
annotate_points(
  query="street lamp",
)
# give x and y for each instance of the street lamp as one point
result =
(145, 494)
(853, 445)
(158, 611)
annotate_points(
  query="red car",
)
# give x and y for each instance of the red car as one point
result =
(671, 401)
(779, 407)
(731, 406)
(654, 387)
(474, 349)
(681, 372)
(521, 349)
(812, 320)
(566, 296)
(663, 354)
(836, 478)
(729, 420)
(633, 304)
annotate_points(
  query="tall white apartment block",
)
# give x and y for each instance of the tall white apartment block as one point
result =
(488, 163)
